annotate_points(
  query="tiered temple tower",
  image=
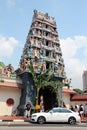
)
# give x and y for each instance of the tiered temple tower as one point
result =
(42, 47)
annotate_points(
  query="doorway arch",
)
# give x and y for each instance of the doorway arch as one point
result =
(49, 98)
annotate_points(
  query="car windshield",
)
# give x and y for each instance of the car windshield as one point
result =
(59, 110)
(48, 110)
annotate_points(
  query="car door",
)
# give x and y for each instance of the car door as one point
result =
(63, 115)
(60, 115)
(50, 116)
(56, 115)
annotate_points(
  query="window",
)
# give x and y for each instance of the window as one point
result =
(47, 65)
(65, 111)
(56, 110)
(47, 53)
(10, 102)
(46, 43)
(61, 110)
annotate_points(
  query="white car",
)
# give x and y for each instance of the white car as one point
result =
(56, 115)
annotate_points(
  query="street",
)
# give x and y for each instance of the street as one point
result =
(53, 126)
(41, 128)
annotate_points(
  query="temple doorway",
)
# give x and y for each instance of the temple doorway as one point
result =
(48, 97)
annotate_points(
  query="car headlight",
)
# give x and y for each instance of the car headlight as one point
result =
(34, 115)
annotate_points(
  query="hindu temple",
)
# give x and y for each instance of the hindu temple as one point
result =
(42, 47)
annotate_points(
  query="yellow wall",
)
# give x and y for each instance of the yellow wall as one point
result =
(73, 103)
(66, 99)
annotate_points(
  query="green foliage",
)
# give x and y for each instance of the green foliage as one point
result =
(1, 80)
(44, 79)
(78, 91)
(41, 79)
(2, 64)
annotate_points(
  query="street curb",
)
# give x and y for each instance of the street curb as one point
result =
(15, 120)
(84, 121)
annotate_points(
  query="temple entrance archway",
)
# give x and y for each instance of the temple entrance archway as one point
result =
(49, 98)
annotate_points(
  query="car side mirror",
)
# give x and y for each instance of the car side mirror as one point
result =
(51, 112)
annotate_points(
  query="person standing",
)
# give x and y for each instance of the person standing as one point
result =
(81, 111)
(28, 109)
(85, 110)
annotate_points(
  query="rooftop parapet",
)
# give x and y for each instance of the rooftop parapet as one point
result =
(45, 17)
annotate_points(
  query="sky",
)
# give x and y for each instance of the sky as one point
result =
(71, 19)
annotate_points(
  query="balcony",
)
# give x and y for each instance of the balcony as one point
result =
(47, 47)
(38, 45)
(36, 27)
(48, 58)
(47, 29)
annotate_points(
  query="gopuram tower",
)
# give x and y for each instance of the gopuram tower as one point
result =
(42, 47)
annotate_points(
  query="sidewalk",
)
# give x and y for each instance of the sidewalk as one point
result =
(19, 120)
(14, 118)
(84, 120)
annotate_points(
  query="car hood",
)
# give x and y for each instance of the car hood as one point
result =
(40, 113)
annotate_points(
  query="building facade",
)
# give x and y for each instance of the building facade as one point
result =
(10, 90)
(12, 87)
(84, 81)
(42, 47)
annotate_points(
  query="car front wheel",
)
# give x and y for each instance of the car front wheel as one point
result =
(72, 120)
(41, 120)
